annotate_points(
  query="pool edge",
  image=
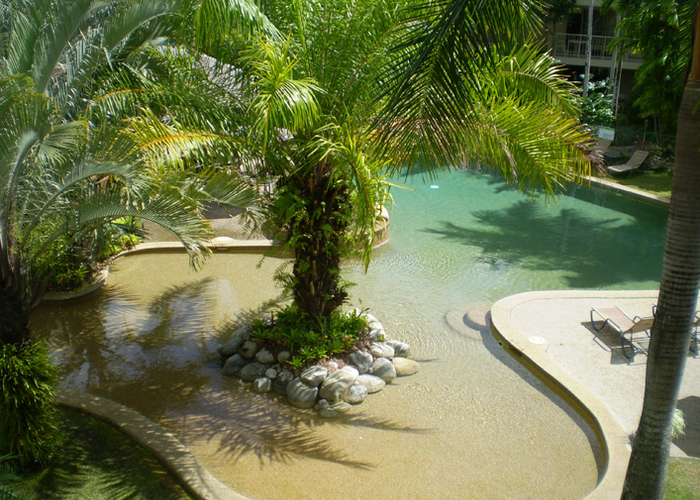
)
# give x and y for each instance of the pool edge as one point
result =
(613, 440)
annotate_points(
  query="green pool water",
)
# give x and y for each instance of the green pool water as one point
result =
(471, 424)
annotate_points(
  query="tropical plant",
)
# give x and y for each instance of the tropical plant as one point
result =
(596, 106)
(678, 295)
(85, 140)
(659, 31)
(317, 99)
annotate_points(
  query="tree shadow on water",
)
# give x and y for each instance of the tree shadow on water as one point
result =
(267, 427)
(591, 252)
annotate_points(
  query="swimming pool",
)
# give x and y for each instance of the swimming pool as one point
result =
(472, 424)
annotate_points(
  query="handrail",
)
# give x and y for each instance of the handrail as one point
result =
(574, 45)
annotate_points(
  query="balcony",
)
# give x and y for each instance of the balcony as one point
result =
(571, 49)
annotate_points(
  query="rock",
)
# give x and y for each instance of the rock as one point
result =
(235, 342)
(400, 348)
(322, 403)
(271, 373)
(328, 412)
(264, 356)
(357, 393)
(234, 364)
(248, 349)
(340, 406)
(332, 366)
(314, 375)
(338, 382)
(283, 357)
(214, 357)
(381, 350)
(280, 383)
(384, 369)
(376, 335)
(262, 384)
(301, 395)
(405, 366)
(374, 324)
(362, 361)
(371, 382)
(252, 371)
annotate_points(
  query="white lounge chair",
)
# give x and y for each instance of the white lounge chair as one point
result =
(632, 164)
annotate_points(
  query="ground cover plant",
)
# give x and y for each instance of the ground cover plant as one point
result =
(97, 462)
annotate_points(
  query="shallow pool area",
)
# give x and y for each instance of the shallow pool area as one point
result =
(471, 424)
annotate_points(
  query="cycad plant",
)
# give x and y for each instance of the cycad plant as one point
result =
(88, 134)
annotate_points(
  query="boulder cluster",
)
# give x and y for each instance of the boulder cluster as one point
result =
(332, 386)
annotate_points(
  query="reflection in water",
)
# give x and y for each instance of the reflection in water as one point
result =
(472, 424)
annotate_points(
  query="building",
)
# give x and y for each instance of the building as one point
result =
(568, 42)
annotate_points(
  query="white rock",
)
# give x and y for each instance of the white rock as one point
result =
(248, 349)
(262, 384)
(271, 373)
(371, 382)
(405, 366)
(384, 369)
(357, 393)
(301, 395)
(400, 348)
(381, 350)
(362, 360)
(314, 375)
(265, 356)
(338, 382)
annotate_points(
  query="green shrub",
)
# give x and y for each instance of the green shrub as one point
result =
(310, 341)
(28, 429)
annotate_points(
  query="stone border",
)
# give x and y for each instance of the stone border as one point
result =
(610, 185)
(170, 452)
(219, 244)
(612, 438)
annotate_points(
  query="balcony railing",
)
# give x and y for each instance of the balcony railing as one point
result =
(568, 45)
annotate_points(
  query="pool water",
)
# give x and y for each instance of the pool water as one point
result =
(471, 424)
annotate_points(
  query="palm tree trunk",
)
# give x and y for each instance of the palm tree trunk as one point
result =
(320, 230)
(14, 317)
(680, 282)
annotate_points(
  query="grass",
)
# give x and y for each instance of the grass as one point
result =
(98, 462)
(658, 183)
(683, 481)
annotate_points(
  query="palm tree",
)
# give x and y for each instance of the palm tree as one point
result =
(85, 138)
(356, 88)
(678, 293)
(64, 128)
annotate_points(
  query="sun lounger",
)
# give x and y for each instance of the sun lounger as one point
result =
(625, 326)
(601, 146)
(632, 164)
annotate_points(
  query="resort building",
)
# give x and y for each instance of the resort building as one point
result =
(568, 42)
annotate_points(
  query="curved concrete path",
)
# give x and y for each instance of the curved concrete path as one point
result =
(550, 333)
(191, 474)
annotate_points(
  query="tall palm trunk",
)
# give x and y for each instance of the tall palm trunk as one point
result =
(680, 282)
(320, 229)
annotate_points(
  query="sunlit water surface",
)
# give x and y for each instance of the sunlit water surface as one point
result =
(472, 424)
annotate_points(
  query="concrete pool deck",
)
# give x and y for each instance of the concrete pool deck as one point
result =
(551, 334)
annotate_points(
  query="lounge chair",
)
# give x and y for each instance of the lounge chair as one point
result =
(624, 326)
(632, 164)
(601, 146)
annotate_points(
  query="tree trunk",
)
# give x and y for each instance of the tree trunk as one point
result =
(671, 333)
(14, 317)
(317, 252)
